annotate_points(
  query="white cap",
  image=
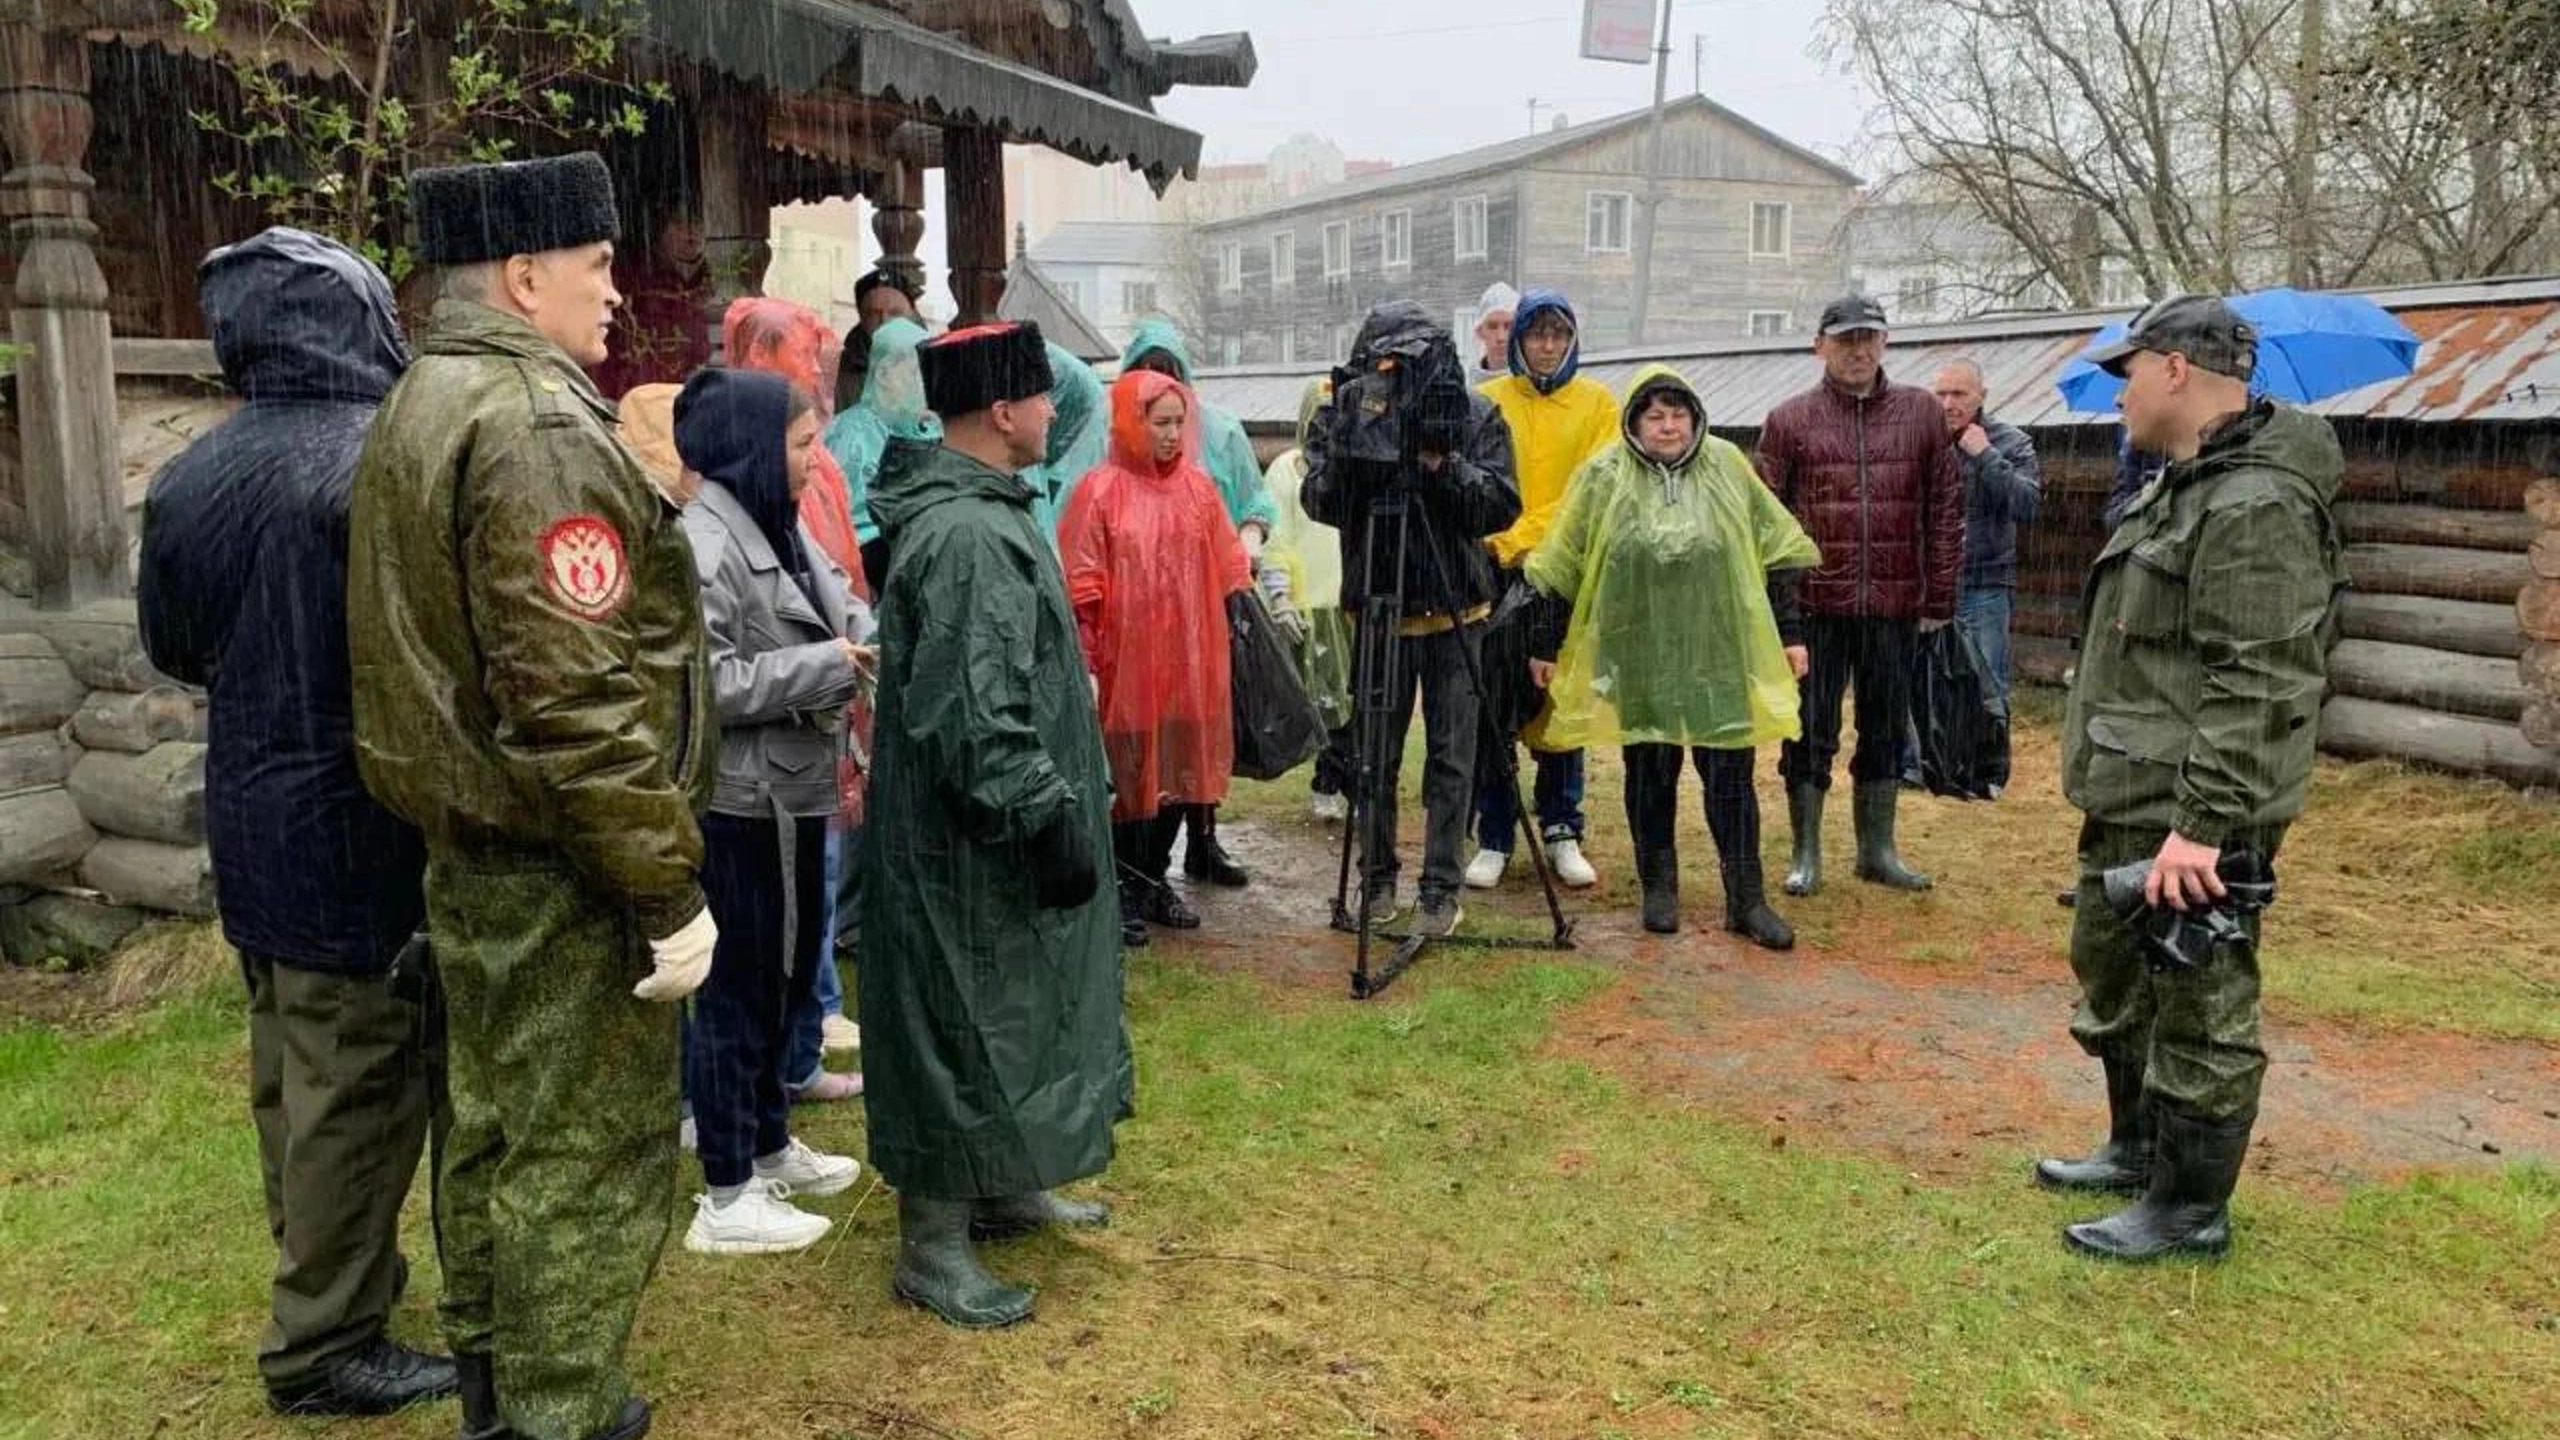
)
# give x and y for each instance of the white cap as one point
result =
(1499, 298)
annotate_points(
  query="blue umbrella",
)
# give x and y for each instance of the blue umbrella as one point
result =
(2310, 347)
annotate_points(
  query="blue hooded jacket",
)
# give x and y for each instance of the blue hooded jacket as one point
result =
(243, 590)
(1532, 305)
(730, 426)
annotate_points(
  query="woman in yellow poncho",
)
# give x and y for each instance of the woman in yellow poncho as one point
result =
(1680, 569)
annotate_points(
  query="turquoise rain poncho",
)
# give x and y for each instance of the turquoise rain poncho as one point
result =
(892, 407)
(1672, 640)
(1077, 439)
(1225, 450)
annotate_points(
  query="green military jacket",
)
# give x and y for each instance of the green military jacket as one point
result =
(2204, 636)
(530, 674)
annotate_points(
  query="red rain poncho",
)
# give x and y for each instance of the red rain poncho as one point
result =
(1150, 558)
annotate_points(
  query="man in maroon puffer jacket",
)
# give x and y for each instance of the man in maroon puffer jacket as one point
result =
(1868, 470)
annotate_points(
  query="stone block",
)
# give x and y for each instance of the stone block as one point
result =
(37, 690)
(72, 929)
(174, 878)
(136, 724)
(101, 642)
(42, 835)
(158, 796)
(35, 760)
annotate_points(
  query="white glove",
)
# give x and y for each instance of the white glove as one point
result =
(681, 962)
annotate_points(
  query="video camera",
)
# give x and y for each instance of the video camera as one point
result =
(2177, 940)
(1409, 400)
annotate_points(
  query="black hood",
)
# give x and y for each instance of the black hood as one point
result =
(1398, 327)
(296, 316)
(730, 428)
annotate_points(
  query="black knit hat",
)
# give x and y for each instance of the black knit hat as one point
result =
(470, 214)
(968, 370)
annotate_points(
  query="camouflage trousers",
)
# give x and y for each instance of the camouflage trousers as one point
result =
(2195, 1033)
(559, 1176)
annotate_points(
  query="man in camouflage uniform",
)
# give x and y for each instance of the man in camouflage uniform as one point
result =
(531, 693)
(2190, 733)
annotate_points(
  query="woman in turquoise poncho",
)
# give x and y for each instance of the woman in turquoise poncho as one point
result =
(892, 406)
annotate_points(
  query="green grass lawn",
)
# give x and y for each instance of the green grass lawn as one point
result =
(1417, 1217)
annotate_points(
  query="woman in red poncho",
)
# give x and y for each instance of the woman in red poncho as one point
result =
(1150, 559)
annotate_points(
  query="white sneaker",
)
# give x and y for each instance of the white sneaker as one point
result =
(807, 1171)
(1330, 809)
(1485, 871)
(1566, 858)
(761, 1221)
(837, 1033)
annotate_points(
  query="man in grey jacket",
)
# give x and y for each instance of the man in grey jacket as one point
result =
(2002, 490)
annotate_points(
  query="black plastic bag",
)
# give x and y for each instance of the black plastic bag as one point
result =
(1504, 648)
(1276, 725)
(1964, 737)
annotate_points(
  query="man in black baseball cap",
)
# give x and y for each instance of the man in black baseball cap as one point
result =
(2209, 333)
(880, 296)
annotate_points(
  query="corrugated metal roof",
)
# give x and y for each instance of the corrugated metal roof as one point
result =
(1029, 295)
(1107, 242)
(2491, 352)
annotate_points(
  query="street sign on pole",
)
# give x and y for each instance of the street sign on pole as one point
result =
(1620, 30)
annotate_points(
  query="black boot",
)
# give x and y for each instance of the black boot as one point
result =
(2123, 1163)
(1013, 1215)
(478, 1375)
(1158, 904)
(1659, 871)
(1872, 807)
(372, 1379)
(1133, 913)
(1204, 858)
(633, 1424)
(1746, 907)
(2195, 1165)
(1804, 815)
(938, 1269)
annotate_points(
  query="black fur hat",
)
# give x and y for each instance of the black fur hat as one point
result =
(470, 214)
(968, 370)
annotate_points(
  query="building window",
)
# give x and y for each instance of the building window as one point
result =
(2119, 286)
(1765, 323)
(1231, 266)
(1607, 228)
(1137, 297)
(1771, 224)
(1288, 347)
(1337, 249)
(1471, 228)
(1284, 260)
(1916, 297)
(1342, 335)
(1395, 239)
(1231, 351)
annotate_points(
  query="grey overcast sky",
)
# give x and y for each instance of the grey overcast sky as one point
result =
(1405, 80)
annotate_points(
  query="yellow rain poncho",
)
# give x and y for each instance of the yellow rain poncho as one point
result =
(1672, 639)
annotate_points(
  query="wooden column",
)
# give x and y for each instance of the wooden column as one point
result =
(2538, 612)
(973, 211)
(58, 315)
(735, 218)
(897, 222)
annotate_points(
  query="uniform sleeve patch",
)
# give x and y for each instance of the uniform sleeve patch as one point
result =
(584, 567)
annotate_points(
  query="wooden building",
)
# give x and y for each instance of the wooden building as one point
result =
(109, 203)
(1745, 246)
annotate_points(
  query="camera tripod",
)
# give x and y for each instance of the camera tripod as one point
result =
(1380, 685)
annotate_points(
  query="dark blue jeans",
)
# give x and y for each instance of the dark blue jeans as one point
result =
(1558, 798)
(734, 1056)
(807, 1056)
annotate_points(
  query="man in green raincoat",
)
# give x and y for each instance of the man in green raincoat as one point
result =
(531, 691)
(993, 1045)
(1227, 453)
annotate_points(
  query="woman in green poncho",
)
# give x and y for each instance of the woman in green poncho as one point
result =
(1077, 437)
(1681, 570)
(892, 407)
(1302, 578)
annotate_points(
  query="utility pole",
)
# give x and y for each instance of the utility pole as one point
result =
(1651, 205)
(2306, 138)
(1534, 108)
(1698, 63)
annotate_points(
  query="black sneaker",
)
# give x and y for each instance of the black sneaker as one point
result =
(1207, 860)
(374, 1379)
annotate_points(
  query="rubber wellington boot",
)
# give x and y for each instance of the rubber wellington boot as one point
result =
(1012, 1215)
(1872, 806)
(1659, 871)
(633, 1425)
(1804, 815)
(2123, 1163)
(1746, 907)
(938, 1269)
(2195, 1165)
(478, 1375)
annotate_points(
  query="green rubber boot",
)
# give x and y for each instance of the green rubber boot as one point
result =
(938, 1269)
(1872, 806)
(1013, 1215)
(1804, 815)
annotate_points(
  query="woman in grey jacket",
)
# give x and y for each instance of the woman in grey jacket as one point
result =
(784, 663)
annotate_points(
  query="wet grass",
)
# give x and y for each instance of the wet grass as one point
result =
(1406, 1218)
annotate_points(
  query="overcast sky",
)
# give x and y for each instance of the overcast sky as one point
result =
(1405, 80)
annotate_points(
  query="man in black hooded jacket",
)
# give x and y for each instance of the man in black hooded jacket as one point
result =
(243, 591)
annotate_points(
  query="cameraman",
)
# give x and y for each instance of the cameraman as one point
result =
(1404, 393)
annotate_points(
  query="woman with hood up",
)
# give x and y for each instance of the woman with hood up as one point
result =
(1150, 559)
(777, 612)
(1681, 571)
(892, 408)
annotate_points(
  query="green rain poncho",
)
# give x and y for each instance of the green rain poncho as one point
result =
(1672, 640)
(892, 408)
(1077, 439)
(1226, 452)
(1310, 554)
